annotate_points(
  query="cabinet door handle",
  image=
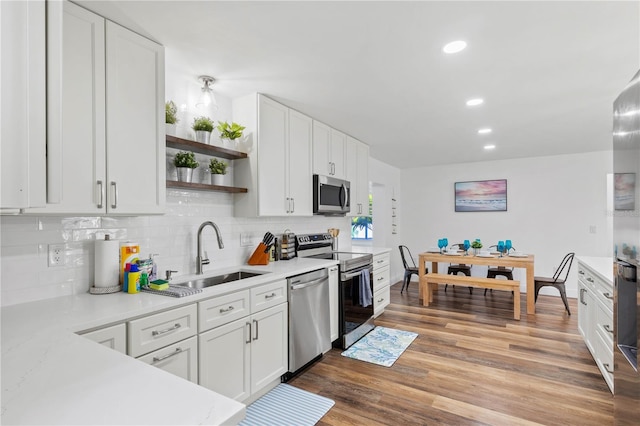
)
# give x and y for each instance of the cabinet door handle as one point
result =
(162, 358)
(606, 367)
(293, 203)
(223, 310)
(608, 295)
(249, 334)
(256, 323)
(330, 168)
(608, 328)
(582, 291)
(115, 195)
(100, 193)
(166, 330)
(288, 205)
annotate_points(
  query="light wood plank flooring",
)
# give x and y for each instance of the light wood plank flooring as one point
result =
(472, 363)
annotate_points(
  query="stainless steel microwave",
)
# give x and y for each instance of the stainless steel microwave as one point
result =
(331, 196)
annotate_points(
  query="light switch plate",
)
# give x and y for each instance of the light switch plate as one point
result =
(245, 239)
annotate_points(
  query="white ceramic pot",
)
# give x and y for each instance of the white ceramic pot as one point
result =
(170, 129)
(202, 136)
(217, 179)
(185, 174)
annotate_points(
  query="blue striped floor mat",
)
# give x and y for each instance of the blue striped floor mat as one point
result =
(286, 405)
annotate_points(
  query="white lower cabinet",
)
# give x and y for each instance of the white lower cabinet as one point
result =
(381, 283)
(595, 318)
(240, 358)
(114, 337)
(334, 302)
(180, 359)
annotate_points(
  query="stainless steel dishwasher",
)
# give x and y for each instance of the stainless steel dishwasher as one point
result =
(309, 329)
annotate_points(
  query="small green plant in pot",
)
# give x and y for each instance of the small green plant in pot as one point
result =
(203, 126)
(476, 245)
(171, 117)
(231, 131)
(218, 169)
(185, 162)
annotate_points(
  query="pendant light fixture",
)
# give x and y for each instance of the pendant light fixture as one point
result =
(206, 98)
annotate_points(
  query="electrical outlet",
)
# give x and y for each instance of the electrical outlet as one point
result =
(57, 255)
(245, 239)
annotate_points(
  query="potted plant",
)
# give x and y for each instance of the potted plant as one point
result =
(203, 126)
(476, 246)
(218, 169)
(231, 131)
(171, 118)
(185, 162)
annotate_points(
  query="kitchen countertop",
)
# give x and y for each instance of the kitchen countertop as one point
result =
(50, 375)
(603, 266)
(369, 250)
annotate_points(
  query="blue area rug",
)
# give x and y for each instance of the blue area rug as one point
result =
(381, 346)
(287, 405)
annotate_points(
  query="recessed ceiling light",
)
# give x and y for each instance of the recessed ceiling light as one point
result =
(454, 46)
(484, 131)
(489, 147)
(475, 102)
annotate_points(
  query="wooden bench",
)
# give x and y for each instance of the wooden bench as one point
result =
(430, 281)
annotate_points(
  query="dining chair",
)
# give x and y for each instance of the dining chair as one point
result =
(409, 268)
(557, 281)
(499, 270)
(455, 269)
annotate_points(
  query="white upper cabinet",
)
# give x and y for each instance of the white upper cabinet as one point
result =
(277, 175)
(357, 159)
(106, 153)
(328, 151)
(23, 119)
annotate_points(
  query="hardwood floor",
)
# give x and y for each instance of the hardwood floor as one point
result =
(472, 363)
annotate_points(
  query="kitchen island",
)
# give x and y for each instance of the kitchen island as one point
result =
(51, 375)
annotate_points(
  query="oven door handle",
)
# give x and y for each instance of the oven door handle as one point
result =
(344, 277)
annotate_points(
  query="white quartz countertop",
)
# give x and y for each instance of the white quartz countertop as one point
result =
(50, 375)
(603, 266)
(369, 250)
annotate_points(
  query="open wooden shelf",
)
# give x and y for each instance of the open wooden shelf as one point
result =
(204, 187)
(201, 148)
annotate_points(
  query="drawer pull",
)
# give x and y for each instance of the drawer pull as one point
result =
(223, 310)
(380, 300)
(380, 261)
(270, 296)
(162, 358)
(581, 272)
(608, 295)
(606, 367)
(607, 327)
(166, 330)
(381, 278)
(590, 279)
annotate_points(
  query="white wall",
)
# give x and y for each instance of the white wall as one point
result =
(553, 203)
(385, 182)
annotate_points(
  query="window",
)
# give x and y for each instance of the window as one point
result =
(362, 226)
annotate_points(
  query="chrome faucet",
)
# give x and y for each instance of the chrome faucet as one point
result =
(199, 260)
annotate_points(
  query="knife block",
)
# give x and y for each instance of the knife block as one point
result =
(259, 257)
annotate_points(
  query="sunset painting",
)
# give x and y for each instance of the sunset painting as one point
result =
(481, 196)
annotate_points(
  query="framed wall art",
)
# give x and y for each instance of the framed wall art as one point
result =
(624, 191)
(481, 196)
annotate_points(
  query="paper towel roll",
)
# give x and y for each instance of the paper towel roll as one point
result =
(107, 263)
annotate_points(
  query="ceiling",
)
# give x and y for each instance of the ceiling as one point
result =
(548, 71)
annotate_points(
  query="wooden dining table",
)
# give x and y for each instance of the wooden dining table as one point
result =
(523, 262)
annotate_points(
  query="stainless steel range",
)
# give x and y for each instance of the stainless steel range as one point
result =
(355, 288)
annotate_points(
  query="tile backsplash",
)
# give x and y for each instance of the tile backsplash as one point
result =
(25, 275)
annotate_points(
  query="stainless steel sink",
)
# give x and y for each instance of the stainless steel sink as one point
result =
(220, 279)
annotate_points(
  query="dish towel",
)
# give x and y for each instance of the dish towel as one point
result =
(366, 297)
(173, 291)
